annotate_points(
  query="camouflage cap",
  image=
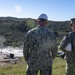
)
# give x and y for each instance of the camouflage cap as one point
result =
(72, 21)
(43, 16)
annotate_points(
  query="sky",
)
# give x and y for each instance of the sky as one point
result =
(56, 10)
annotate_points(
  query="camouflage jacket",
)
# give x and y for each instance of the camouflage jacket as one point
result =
(69, 38)
(40, 47)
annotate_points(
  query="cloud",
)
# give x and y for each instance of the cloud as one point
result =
(18, 8)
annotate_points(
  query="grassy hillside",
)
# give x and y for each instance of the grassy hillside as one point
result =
(14, 29)
(20, 69)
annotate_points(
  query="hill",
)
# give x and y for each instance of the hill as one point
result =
(13, 29)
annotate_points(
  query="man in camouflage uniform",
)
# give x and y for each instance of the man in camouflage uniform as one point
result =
(40, 48)
(70, 55)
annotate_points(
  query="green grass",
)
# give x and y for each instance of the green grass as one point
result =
(59, 66)
(20, 69)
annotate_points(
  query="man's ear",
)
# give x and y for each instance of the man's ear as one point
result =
(36, 21)
(46, 22)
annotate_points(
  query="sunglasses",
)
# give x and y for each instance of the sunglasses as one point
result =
(42, 20)
(71, 24)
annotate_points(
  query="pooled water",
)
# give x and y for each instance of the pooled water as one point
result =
(18, 52)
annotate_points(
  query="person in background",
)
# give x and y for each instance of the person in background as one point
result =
(70, 53)
(40, 48)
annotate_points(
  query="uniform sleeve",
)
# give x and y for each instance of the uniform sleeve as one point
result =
(64, 42)
(26, 48)
(54, 46)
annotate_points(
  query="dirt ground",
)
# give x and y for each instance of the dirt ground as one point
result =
(5, 61)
